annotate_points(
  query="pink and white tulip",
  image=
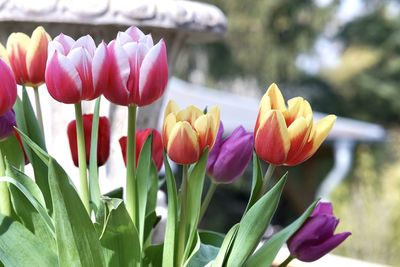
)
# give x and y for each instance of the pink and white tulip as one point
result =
(138, 69)
(76, 70)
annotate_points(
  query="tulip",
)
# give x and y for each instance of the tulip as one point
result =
(103, 142)
(76, 70)
(287, 135)
(8, 88)
(28, 55)
(229, 157)
(141, 137)
(7, 123)
(316, 237)
(138, 69)
(188, 132)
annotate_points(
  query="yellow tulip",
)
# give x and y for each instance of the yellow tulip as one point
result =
(287, 135)
(188, 132)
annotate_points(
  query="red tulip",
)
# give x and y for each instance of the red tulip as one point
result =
(141, 136)
(76, 70)
(8, 88)
(103, 143)
(138, 69)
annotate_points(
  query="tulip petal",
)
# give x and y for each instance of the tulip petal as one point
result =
(265, 106)
(87, 43)
(135, 33)
(272, 142)
(276, 98)
(63, 80)
(100, 69)
(7, 124)
(323, 208)
(117, 91)
(214, 113)
(17, 46)
(183, 146)
(313, 253)
(203, 127)
(172, 107)
(214, 152)
(36, 56)
(82, 61)
(169, 123)
(8, 88)
(299, 132)
(66, 43)
(189, 114)
(153, 76)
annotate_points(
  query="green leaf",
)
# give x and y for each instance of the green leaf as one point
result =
(195, 191)
(151, 222)
(116, 193)
(267, 253)
(226, 247)
(77, 241)
(27, 207)
(196, 247)
(171, 227)
(20, 248)
(204, 255)
(257, 181)
(11, 150)
(154, 255)
(254, 224)
(211, 238)
(153, 189)
(120, 238)
(142, 179)
(94, 185)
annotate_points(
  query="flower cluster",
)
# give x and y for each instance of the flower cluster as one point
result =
(132, 71)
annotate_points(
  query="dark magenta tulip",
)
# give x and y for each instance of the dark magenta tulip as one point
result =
(141, 136)
(229, 157)
(7, 123)
(103, 143)
(316, 237)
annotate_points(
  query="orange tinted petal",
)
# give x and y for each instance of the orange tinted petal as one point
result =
(299, 132)
(183, 145)
(276, 97)
(169, 123)
(17, 46)
(172, 107)
(189, 114)
(272, 142)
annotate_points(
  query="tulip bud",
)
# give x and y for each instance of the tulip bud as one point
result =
(141, 137)
(229, 157)
(7, 123)
(287, 135)
(138, 69)
(316, 237)
(76, 70)
(103, 142)
(28, 55)
(8, 88)
(188, 132)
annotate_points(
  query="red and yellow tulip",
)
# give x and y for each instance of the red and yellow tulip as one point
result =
(287, 135)
(27, 56)
(188, 132)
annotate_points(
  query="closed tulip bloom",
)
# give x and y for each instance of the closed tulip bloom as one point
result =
(287, 135)
(141, 137)
(76, 70)
(28, 55)
(188, 132)
(103, 142)
(229, 157)
(316, 237)
(138, 69)
(8, 88)
(7, 123)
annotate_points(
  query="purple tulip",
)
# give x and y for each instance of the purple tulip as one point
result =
(7, 123)
(229, 157)
(316, 237)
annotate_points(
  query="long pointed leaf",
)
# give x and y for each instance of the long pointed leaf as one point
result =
(254, 224)
(77, 241)
(257, 181)
(226, 247)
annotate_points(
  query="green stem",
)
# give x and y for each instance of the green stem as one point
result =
(5, 205)
(82, 157)
(210, 193)
(38, 109)
(267, 177)
(183, 216)
(287, 261)
(94, 185)
(131, 196)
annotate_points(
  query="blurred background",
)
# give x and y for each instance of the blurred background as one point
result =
(343, 56)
